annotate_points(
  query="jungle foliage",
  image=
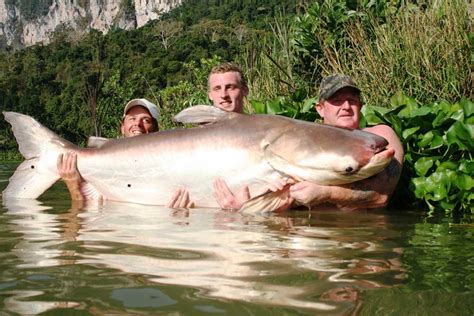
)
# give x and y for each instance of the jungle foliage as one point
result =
(78, 84)
(438, 140)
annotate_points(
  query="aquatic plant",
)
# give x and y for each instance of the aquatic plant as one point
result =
(438, 139)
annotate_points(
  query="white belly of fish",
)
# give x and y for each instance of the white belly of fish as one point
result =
(153, 178)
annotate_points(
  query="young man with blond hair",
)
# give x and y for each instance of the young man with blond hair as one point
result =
(227, 87)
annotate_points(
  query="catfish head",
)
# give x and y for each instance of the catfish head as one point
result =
(326, 154)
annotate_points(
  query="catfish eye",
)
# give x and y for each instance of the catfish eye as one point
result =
(349, 169)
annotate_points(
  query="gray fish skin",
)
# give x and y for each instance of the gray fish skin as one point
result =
(252, 150)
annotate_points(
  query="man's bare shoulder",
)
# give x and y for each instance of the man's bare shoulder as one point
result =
(382, 130)
(389, 134)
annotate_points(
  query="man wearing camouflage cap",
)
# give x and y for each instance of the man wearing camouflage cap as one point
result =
(339, 105)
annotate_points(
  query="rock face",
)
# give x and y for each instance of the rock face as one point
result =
(23, 23)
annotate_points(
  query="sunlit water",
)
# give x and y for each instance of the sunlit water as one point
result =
(134, 259)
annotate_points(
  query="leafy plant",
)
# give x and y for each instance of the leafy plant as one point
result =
(438, 140)
(297, 106)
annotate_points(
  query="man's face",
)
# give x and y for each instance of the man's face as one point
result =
(341, 109)
(137, 121)
(226, 91)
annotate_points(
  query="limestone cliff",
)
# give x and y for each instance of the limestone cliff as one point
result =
(26, 22)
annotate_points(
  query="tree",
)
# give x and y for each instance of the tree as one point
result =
(167, 32)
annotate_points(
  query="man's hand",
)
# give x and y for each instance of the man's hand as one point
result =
(67, 168)
(228, 200)
(180, 199)
(308, 193)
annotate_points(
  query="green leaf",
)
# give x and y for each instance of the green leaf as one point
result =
(420, 186)
(464, 182)
(468, 107)
(467, 167)
(410, 105)
(447, 206)
(441, 119)
(386, 111)
(400, 98)
(410, 131)
(447, 165)
(461, 135)
(422, 165)
(274, 106)
(437, 142)
(299, 95)
(258, 107)
(422, 111)
(308, 105)
(396, 123)
(458, 115)
(373, 119)
(439, 184)
(425, 141)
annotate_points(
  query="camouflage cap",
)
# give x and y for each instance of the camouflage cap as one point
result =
(333, 83)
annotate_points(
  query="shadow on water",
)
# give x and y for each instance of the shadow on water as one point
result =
(128, 258)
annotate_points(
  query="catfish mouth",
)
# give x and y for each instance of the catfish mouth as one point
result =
(379, 146)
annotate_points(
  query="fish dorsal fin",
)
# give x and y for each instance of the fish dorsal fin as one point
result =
(201, 114)
(96, 142)
(268, 202)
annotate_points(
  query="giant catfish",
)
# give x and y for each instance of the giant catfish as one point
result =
(252, 150)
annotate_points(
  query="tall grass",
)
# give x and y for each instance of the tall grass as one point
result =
(268, 63)
(426, 52)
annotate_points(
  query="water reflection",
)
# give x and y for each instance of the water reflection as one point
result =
(323, 262)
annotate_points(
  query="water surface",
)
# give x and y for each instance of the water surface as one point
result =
(124, 258)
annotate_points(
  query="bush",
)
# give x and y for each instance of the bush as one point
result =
(438, 140)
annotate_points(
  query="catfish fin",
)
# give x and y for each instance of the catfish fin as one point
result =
(281, 165)
(39, 146)
(90, 193)
(201, 114)
(96, 142)
(268, 202)
(30, 180)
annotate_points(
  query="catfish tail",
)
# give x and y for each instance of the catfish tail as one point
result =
(40, 147)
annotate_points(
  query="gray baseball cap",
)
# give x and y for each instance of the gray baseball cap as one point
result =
(151, 107)
(333, 83)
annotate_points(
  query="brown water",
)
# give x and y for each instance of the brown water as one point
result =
(134, 259)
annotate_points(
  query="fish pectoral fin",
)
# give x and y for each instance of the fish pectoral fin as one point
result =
(282, 165)
(268, 202)
(90, 193)
(200, 114)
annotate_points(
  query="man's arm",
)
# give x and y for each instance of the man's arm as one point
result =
(373, 192)
(67, 167)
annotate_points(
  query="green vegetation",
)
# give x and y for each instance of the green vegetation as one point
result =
(438, 140)
(393, 48)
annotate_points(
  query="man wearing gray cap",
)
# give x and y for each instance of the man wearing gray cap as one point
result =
(140, 116)
(340, 105)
